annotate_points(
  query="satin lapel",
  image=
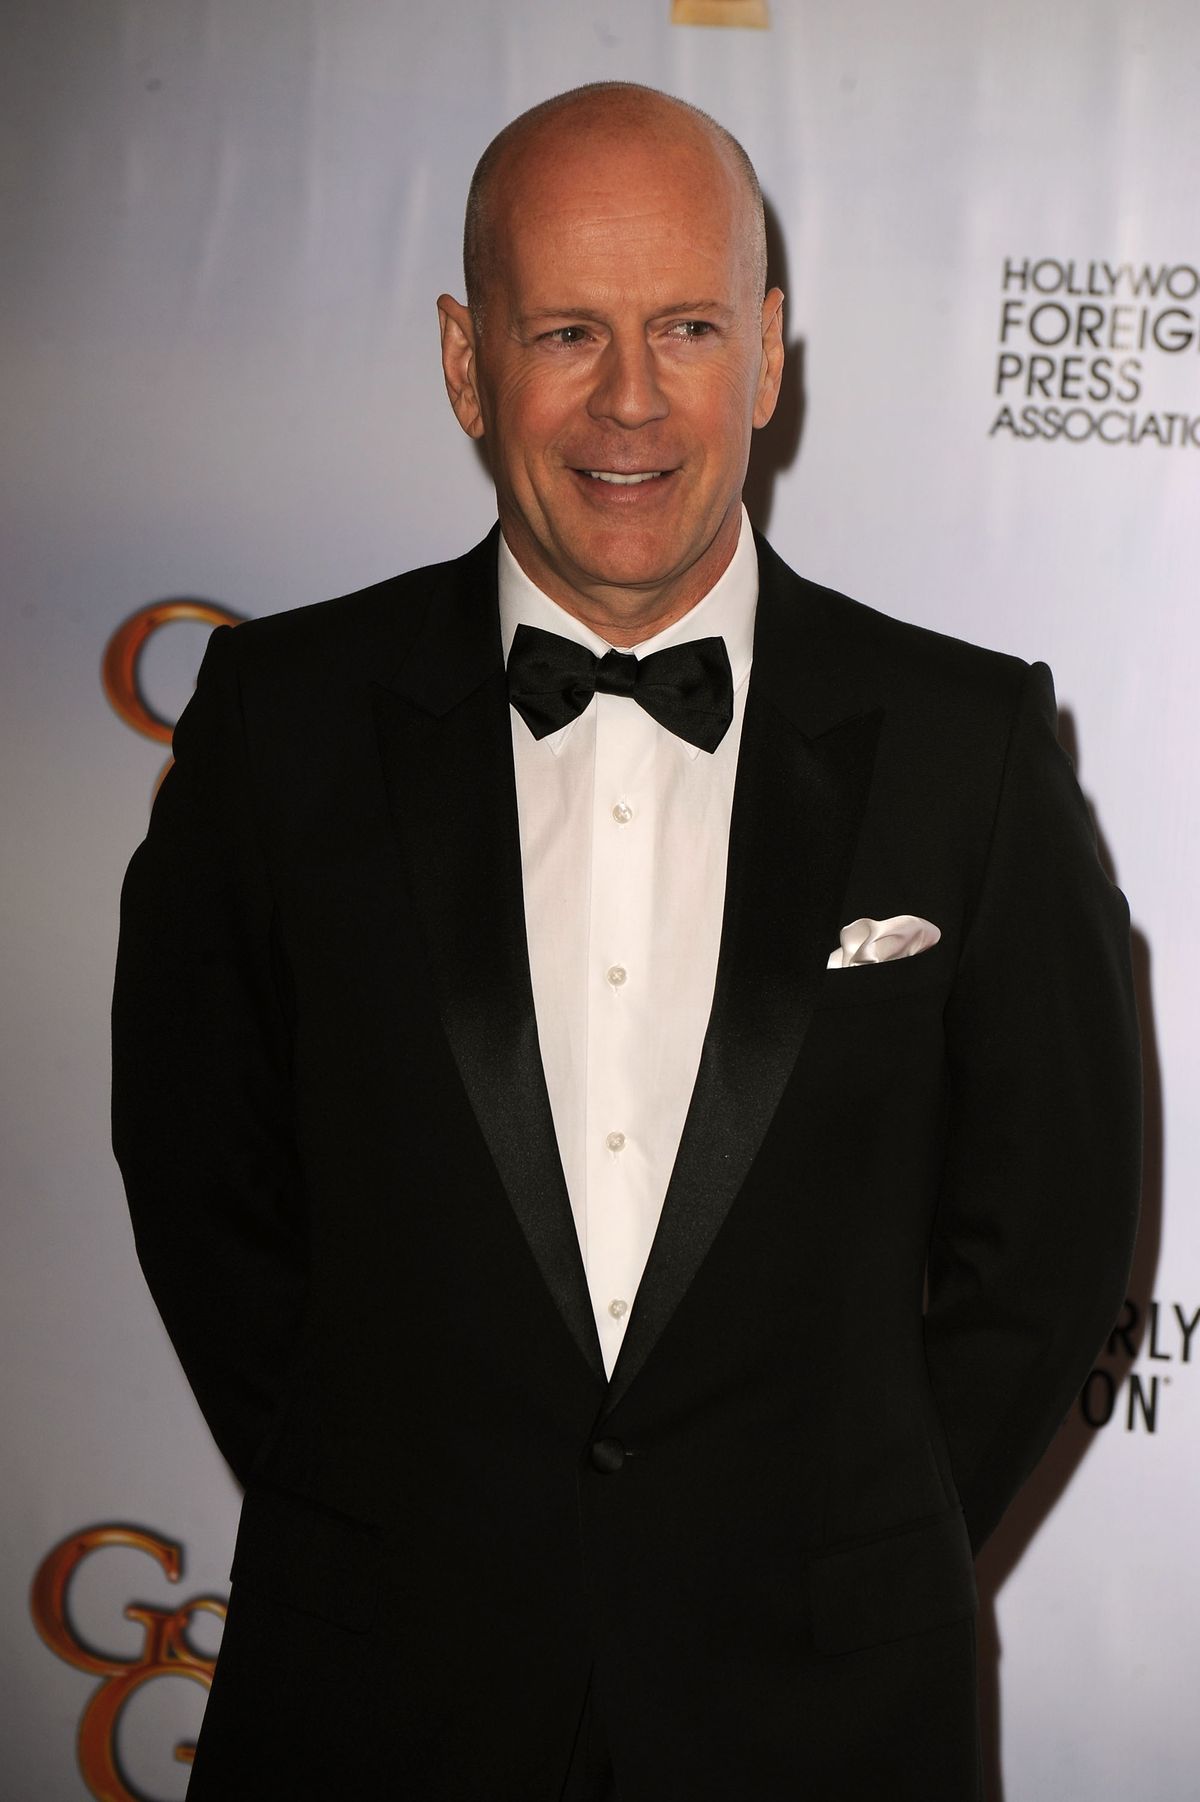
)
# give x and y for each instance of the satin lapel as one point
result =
(798, 802)
(445, 740)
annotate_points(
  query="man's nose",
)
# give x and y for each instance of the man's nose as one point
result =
(627, 388)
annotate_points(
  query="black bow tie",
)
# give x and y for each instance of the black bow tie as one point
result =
(688, 688)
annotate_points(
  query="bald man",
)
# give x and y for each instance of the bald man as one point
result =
(626, 1079)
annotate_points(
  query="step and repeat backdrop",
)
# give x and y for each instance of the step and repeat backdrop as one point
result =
(224, 226)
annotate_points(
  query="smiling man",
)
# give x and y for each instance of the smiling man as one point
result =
(616, 350)
(626, 1079)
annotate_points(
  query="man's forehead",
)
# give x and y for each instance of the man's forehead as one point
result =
(607, 173)
(580, 210)
(643, 259)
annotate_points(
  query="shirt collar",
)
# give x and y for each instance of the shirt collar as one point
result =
(726, 611)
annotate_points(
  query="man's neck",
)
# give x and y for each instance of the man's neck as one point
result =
(629, 616)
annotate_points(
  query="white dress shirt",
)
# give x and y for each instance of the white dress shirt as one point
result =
(624, 840)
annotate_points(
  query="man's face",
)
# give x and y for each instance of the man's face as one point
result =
(624, 360)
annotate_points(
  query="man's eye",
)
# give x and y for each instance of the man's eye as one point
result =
(567, 334)
(691, 328)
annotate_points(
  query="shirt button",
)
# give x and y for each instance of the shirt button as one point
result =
(617, 1308)
(615, 1141)
(616, 975)
(622, 813)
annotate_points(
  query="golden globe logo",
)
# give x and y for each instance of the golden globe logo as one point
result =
(166, 1650)
(120, 667)
(751, 13)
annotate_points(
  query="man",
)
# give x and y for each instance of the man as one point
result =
(627, 1293)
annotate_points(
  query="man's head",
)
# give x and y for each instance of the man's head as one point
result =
(615, 327)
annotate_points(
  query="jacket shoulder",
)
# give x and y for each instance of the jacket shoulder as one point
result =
(905, 667)
(364, 632)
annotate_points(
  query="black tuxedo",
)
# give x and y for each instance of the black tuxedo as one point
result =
(755, 1543)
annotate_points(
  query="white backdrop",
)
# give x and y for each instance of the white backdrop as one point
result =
(223, 225)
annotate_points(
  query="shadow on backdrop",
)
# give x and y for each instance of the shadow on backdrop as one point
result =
(777, 445)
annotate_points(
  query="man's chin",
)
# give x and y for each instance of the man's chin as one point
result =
(611, 585)
(626, 567)
(654, 570)
(580, 566)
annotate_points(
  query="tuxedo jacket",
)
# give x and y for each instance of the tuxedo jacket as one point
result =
(897, 1228)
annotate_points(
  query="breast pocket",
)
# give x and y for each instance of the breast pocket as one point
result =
(862, 985)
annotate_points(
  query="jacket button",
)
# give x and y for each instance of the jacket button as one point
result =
(607, 1456)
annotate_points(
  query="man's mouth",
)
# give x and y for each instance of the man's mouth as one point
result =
(624, 481)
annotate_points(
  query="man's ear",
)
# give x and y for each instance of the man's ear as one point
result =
(770, 369)
(458, 363)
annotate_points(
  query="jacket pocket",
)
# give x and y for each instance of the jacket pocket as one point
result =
(295, 1551)
(885, 1589)
(893, 980)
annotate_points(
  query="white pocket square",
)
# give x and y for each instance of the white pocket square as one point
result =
(879, 941)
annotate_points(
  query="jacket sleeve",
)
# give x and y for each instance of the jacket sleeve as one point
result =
(1038, 1208)
(202, 1125)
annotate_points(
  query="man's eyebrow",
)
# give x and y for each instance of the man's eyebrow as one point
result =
(694, 306)
(537, 313)
(678, 309)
